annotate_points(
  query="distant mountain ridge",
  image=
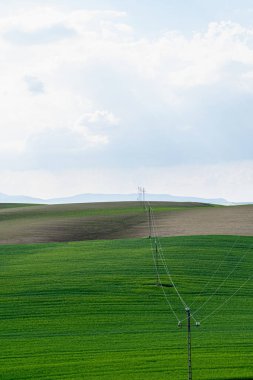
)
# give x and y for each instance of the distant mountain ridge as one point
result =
(90, 198)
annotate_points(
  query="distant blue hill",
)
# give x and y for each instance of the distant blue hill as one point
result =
(19, 199)
(89, 198)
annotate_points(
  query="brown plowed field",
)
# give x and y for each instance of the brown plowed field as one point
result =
(232, 220)
(75, 222)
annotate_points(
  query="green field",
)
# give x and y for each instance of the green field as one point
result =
(90, 310)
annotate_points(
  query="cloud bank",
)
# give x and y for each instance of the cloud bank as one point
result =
(81, 90)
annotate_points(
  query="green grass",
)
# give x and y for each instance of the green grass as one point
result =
(15, 205)
(81, 210)
(89, 310)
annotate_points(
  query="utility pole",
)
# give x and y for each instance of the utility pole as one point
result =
(188, 312)
(155, 254)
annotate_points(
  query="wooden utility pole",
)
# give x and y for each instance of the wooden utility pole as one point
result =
(188, 312)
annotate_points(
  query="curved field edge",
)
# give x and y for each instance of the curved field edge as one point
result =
(91, 310)
(76, 222)
(119, 220)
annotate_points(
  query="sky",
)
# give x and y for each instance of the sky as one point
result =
(104, 96)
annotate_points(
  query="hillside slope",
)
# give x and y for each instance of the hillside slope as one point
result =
(88, 310)
(76, 222)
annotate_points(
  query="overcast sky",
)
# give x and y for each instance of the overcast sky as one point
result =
(107, 95)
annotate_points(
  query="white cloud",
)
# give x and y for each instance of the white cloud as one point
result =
(111, 99)
(98, 116)
(11, 147)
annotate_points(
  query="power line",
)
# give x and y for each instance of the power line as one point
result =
(160, 284)
(160, 252)
(232, 271)
(228, 299)
(214, 273)
(153, 232)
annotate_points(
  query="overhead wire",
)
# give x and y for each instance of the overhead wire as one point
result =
(236, 241)
(228, 299)
(160, 283)
(214, 273)
(160, 251)
(162, 258)
(231, 272)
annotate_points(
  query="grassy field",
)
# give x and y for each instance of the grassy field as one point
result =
(89, 310)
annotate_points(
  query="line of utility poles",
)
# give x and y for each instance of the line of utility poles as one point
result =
(141, 192)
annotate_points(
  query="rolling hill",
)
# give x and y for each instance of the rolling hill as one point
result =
(90, 310)
(21, 223)
(83, 303)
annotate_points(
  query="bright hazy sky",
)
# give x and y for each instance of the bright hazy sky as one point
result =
(107, 95)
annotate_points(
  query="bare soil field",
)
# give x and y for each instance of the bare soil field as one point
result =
(75, 222)
(228, 220)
